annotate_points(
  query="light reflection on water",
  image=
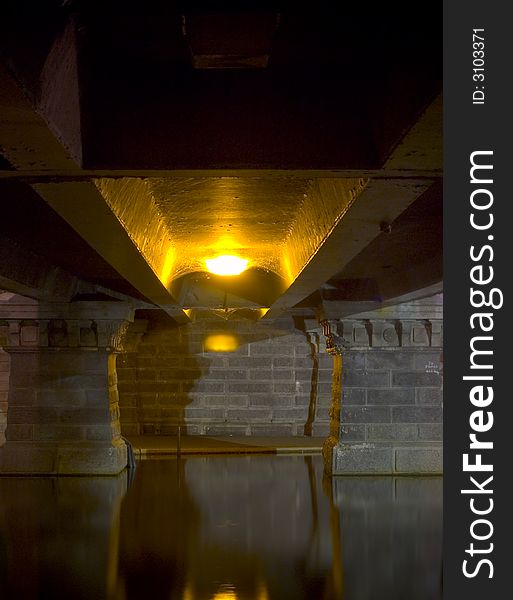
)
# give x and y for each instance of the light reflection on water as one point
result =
(222, 528)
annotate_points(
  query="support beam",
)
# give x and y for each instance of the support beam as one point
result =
(371, 208)
(380, 202)
(82, 205)
(46, 137)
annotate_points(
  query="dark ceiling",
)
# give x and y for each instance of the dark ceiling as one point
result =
(342, 82)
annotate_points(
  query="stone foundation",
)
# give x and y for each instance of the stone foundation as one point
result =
(62, 406)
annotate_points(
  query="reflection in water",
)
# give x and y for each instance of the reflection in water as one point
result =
(222, 528)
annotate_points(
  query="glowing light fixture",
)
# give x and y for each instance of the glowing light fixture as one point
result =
(227, 264)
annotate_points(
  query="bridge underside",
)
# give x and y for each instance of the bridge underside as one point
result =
(136, 146)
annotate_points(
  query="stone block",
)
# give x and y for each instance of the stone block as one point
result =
(266, 375)
(150, 374)
(365, 414)
(75, 458)
(391, 396)
(321, 429)
(129, 429)
(322, 413)
(129, 387)
(257, 349)
(366, 379)
(20, 432)
(248, 414)
(126, 361)
(32, 414)
(429, 396)
(86, 416)
(289, 414)
(324, 375)
(391, 359)
(91, 382)
(206, 414)
(22, 397)
(226, 400)
(285, 362)
(352, 359)
(212, 387)
(301, 350)
(362, 459)
(416, 414)
(126, 374)
(304, 362)
(432, 432)
(271, 400)
(427, 361)
(229, 374)
(306, 375)
(352, 433)
(391, 432)
(285, 388)
(419, 460)
(255, 362)
(101, 433)
(176, 413)
(270, 429)
(353, 396)
(130, 415)
(58, 433)
(251, 387)
(436, 334)
(415, 379)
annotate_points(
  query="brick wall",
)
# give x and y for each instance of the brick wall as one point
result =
(261, 388)
(276, 382)
(4, 389)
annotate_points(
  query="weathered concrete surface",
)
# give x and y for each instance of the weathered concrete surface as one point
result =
(414, 458)
(380, 201)
(82, 205)
(63, 405)
(26, 139)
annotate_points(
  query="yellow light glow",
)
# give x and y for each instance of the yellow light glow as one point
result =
(226, 592)
(226, 264)
(221, 342)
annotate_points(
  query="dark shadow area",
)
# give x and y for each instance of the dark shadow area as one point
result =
(29, 222)
(154, 384)
(254, 286)
(59, 536)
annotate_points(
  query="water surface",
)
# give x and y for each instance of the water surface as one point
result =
(222, 528)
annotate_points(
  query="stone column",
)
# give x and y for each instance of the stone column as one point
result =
(63, 412)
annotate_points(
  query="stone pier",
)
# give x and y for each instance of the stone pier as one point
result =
(62, 406)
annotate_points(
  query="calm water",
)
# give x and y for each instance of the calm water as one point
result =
(222, 528)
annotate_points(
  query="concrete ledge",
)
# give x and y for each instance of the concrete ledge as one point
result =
(414, 458)
(151, 446)
(39, 458)
(362, 458)
(419, 460)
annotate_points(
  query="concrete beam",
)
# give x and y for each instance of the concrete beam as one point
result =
(333, 243)
(74, 173)
(84, 207)
(379, 202)
(41, 129)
